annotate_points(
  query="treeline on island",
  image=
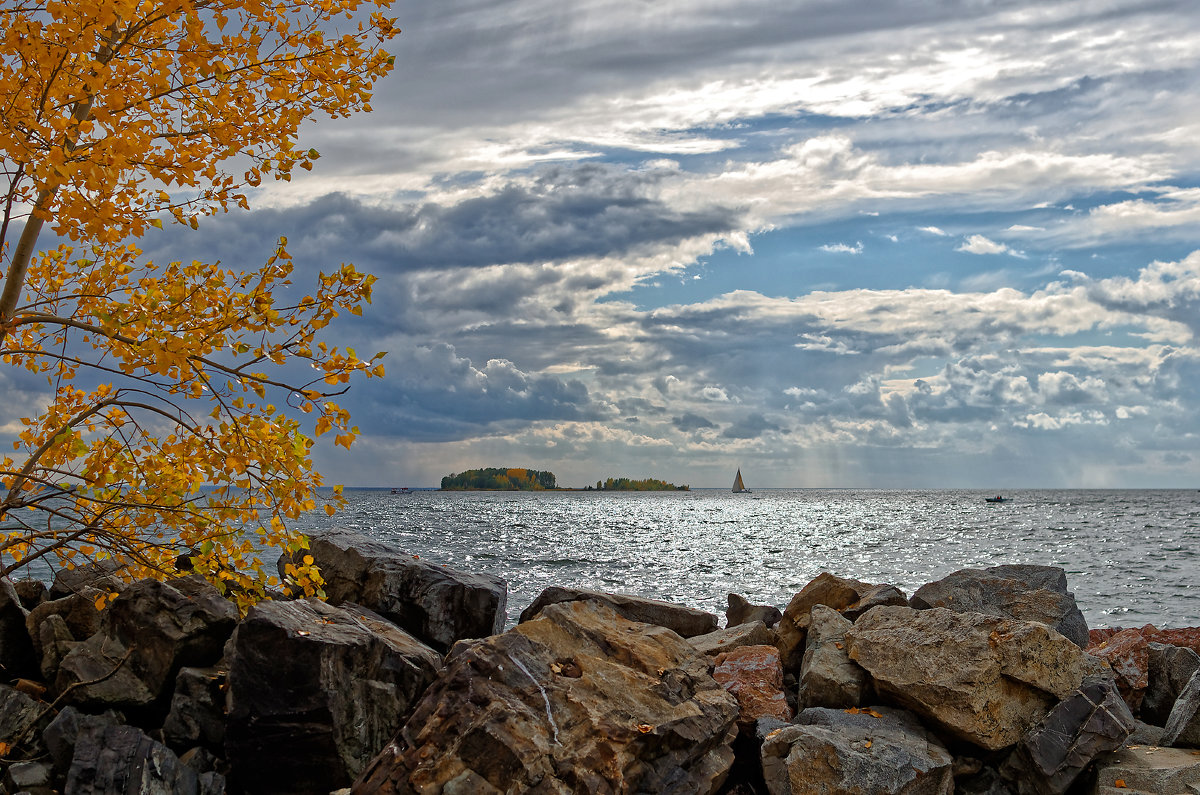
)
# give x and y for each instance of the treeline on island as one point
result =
(519, 479)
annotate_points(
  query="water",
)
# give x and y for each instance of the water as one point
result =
(1130, 556)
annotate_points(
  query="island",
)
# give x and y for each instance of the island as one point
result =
(499, 479)
(628, 484)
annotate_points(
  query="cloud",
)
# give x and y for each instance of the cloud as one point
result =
(751, 426)
(843, 248)
(692, 422)
(933, 230)
(978, 244)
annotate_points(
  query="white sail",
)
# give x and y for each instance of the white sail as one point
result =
(738, 486)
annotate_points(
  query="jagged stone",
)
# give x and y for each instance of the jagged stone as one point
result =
(876, 595)
(740, 611)
(837, 592)
(754, 675)
(1183, 724)
(197, 713)
(121, 760)
(1026, 593)
(17, 656)
(32, 592)
(983, 679)
(578, 699)
(1127, 653)
(61, 733)
(1168, 670)
(97, 576)
(146, 635)
(875, 751)
(828, 677)
(28, 778)
(1148, 769)
(21, 719)
(436, 604)
(753, 633)
(686, 621)
(1093, 721)
(77, 611)
(56, 642)
(315, 691)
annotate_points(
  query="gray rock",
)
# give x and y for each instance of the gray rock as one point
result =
(122, 760)
(32, 592)
(146, 635)
(750, 634)
(62, 732)
(1169, 669)
(21, 719)
(578, 699)
(436, 604)
(315, 691)
(828, 677)
(56, 642)
(1148, 769)
(876, 751)
(1093, 721)
(77, 611)
(1009, 592)
(100, 575)
(197, 713)
(28, 777)
(17, 657)
(685, 621)
(1183, 724)
(741, 611)
(983, 679)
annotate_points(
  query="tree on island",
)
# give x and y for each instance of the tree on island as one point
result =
(160, 376)
(499, 479)
(628, 484)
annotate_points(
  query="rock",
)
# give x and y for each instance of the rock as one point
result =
(32, 592)
(1093, 721)
(741, 611)
(983, 679)
(1145, 734)
(754, 675)
(56, 642)
(28, 777)
(1184, 637)
(749, 634)
(1183, 724)
(686, 621)
(197, 713)
(146, 635)
(1148, 769)
(874, 596)
(77, 611)
(1128, 654)
(116, 760)
(828, 677)
(873, 751)
(1026, 593)
(436, 604)
(17, 657)
(62, 733)
(1168, 670)
(578, 699)
(826, 589)
(315, 691)
(21, 719)
(99, 576)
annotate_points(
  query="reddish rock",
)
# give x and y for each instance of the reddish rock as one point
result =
(1185, 637)
(754, 675)
(1099, 635)
(1128, 653)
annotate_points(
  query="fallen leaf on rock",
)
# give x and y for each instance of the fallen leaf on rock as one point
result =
(867, 744)
(1120, 784)
(645, 728)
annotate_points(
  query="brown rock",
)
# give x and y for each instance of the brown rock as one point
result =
(828, 677)
(984, 679)
(752, 634)
(1127, 653)
(754, 675)
(577, 699)
(826, 589)
(687, 621)
(741, 611)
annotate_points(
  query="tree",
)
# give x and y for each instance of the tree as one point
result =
(179, 396)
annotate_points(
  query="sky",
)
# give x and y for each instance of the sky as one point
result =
(835, 243)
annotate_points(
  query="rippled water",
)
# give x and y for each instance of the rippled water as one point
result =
(1130, 556)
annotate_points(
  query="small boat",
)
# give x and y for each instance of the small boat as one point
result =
(738, 486)
(997, 498)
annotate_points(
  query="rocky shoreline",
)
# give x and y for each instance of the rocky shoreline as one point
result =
(986, 682)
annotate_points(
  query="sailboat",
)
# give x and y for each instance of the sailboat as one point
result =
(738, 486)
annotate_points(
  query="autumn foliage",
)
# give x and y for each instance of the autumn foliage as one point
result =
(174, 404)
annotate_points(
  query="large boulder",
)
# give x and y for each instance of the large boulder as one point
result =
(859, 752)
(741, 611)
(62, 733)
(146, 635)
(97, 576)
(685, 621)
(1168, 671)
(1026, 592)
(1183, 724)
(436, 604)
(1148, 770)
(118, 760)
(197, 713)
(1093, 721)
(828, 677)
(21, 720)
(315, 691)
(17, 656)
(754, 676)
(78, 614)
(578, 699)
(827, 589)
(983, 679)
(754, 633)
(1127, 653)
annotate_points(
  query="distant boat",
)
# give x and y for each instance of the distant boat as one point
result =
(997, 498)
(738, 486)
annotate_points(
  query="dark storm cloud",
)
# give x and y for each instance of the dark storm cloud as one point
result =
(751, 426)
(692, 422)
(561, 213)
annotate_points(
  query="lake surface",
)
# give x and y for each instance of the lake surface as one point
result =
(1130, 556)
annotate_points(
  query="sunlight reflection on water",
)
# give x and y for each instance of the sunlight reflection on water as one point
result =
(1129, 555)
